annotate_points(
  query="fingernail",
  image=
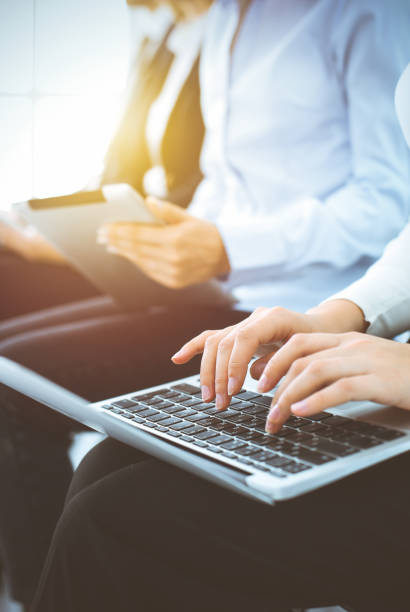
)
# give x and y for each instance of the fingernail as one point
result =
(300, 407)
(206, 393)
(273, 418)
(269, 428)
(232, 385)
(274, 414)
(263, 383)
(219, 401)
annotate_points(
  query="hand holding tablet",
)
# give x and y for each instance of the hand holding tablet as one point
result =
(72, 223)
(178, 252)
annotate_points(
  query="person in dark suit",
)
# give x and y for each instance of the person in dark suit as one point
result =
(35, 469)
(37, 276)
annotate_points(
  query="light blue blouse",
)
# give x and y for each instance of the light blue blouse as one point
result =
(306, 172)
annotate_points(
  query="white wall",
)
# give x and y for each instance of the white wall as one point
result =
(63, 66)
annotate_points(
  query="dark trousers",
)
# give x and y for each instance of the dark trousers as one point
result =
(104, 354)
(137, 534)
(27, 287)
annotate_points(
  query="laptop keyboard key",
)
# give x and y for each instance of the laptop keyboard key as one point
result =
(296, 467)
(138, 420)
(196, 417)
(158, 417)
(310, 456)
(186, 388)
(220, 439)
(170, 422)
(277, 461)
(195, 429)
(333, 448)
(183, 414)
(228, 454)
(174, 434)
(259, 425)
(233, 444)
(336, 421)
(362, 442)
(125, 403)
(240, 419)
(228, 415)
(170, 394)
(145, 396)
(205, 435)
(246, 395)
(207, 422)
(262, 455)
(190, 401)
(153, 401)
(180, 426)
(313, 428)
(115, 410)
(200, 443)
(297, 422)
(204, 406)
(389, 434)
(321, 416)
(163, 404)
(245, 406)
(210, 410)
(248, 450)
(148, 412)
(264, 400)
(256, 410)
(172, 409)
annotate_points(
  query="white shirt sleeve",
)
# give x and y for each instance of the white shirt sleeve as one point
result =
(384, 292)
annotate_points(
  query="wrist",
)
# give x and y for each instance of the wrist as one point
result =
(338, 316)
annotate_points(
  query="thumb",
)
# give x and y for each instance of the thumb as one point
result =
(165, 211)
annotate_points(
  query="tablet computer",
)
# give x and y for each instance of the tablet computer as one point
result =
(70, 223)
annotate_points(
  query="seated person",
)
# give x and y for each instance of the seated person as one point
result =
(132, 523)
(288, 139)
(33, 276)
(144, 152)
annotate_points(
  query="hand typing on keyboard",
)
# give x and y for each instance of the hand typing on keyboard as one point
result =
(227, 352)
(322, 369)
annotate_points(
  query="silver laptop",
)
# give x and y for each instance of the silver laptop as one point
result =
(231, 448)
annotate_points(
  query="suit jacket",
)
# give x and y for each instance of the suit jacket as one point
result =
(128, 158)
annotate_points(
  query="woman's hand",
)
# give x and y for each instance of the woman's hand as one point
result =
(324, 370)
(227, 352)
(29, 245)
(183, 251)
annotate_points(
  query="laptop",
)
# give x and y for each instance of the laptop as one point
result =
(231, 448)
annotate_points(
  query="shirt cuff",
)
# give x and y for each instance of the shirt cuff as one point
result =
(386, 308)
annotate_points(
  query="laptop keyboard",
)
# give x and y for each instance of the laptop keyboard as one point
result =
(238, 433)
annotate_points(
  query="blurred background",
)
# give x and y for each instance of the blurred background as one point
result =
(63, 69)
